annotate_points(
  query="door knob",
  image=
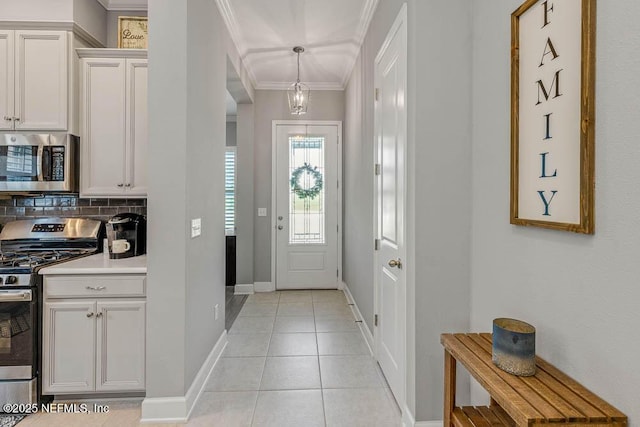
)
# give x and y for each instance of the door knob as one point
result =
(280, 227)
(395, 263)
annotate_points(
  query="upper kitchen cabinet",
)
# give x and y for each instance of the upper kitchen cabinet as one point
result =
(34, 80)
(113, 120)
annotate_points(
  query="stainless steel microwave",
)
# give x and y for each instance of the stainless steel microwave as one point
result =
(39, 163)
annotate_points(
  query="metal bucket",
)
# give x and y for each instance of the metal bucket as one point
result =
(514, 347)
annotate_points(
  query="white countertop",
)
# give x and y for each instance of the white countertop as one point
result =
(98, 264)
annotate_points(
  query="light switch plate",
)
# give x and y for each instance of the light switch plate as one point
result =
(196, 227)
(262, 211)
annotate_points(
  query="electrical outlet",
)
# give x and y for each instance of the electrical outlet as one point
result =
(216, 312)
(196, 227)
(262, 211)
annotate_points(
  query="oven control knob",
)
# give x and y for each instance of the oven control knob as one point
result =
(11, 280)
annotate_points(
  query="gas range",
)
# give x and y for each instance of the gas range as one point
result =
(25, 247)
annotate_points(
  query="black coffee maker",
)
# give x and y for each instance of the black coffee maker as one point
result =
(127, 235)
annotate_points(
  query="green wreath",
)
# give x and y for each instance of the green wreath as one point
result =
(311, 192)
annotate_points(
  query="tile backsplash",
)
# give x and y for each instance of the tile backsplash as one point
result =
(22, 207)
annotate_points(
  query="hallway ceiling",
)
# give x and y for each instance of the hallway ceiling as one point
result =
(265, 32)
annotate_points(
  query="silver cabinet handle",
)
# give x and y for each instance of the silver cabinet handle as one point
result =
(17, 119)
(99, 314)
(127, 185)
(120, 185)
(7, 118)
(395, 263)
(89, 314)
(280, 227)
(99, 288)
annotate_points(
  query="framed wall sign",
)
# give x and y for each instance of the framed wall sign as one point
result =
(133, 32)
(553, 114)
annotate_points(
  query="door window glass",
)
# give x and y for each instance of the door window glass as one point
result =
(307, 192)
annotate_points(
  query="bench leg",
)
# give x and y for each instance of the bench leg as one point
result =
(449, 387)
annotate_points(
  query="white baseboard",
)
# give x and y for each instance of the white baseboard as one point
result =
(366, 332)
(407, 417)
(429, 424)
(177, 409)
(263, 287)
(243, 289)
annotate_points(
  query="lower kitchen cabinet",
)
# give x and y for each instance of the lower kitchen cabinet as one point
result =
(93, 345)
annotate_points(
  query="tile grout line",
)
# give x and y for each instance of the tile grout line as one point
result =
(324, 408)
(255, 405)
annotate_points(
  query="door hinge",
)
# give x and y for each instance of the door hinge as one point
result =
(375, 320)
(377, 169)
(376, 244)
(377, 94)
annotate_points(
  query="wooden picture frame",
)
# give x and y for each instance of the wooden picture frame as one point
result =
(553, 114)
(133, 32)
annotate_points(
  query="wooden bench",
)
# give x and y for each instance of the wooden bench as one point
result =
(548, 397)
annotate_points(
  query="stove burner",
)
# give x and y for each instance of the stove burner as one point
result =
(36, 259)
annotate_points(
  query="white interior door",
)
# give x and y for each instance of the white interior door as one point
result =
(306, 210)
(390, 278)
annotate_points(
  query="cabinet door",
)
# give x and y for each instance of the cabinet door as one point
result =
(69, 347)
(6, 79)
(121, 346)
(136, 159)
(103, 132)
(41, 80)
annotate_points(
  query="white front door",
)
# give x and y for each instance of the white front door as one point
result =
(306, 214)
(391, 141)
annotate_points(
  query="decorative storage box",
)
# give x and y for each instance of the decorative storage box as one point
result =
(514, 347)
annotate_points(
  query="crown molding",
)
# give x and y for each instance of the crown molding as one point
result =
(229, 18)
(366, 17)
(132, 5)
(287, 85)
(80, 32)
(224, 6)
(112, 53)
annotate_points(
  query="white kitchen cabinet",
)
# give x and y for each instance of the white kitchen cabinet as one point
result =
(69, 337)
(94, 334)
(34, 80)
(113, 111)
(120, 362)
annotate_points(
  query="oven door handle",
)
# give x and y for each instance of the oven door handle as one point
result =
(7, 296)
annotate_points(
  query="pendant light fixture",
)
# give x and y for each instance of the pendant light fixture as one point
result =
(298, 93)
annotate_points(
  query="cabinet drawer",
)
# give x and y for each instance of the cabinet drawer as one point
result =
(94, 286)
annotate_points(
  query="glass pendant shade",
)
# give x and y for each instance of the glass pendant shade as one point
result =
(298, 93)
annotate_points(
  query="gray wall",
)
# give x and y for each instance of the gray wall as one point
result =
(37, 10)
(245, 210)
(231, 138)
(358, 163)
(91, 16)
(439, 186)
(187, 79)
(273, 105)
(581, 292)
(112, 24)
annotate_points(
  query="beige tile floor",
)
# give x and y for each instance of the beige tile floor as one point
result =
(294, 358)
